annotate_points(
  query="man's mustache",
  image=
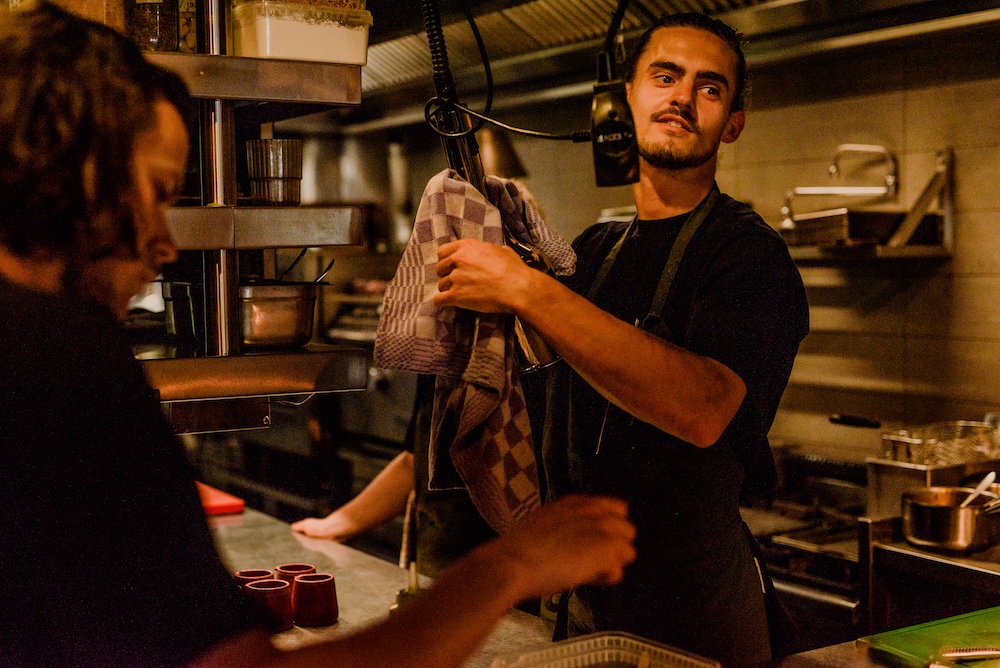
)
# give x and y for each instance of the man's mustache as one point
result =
(676, 111)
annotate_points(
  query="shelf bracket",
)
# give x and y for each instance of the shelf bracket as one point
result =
(939, 185)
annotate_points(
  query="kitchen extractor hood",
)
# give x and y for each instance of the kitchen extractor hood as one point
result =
(543, 49)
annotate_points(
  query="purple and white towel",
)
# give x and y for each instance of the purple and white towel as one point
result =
(480, 433)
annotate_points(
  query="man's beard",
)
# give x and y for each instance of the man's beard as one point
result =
(665, 157)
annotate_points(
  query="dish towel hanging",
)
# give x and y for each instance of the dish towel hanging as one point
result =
(480, 434)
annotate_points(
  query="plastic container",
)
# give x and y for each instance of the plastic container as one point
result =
(620, 650)
(300, 31)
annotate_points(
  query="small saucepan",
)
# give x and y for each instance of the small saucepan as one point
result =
(933, 518)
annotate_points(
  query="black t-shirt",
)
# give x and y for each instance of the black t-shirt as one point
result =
(106, 555)
(737, 298)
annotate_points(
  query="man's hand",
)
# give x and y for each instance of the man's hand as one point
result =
(575, 540)
(481, 276)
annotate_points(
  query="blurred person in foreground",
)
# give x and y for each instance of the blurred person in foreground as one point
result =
(671, 371)
(106, 554)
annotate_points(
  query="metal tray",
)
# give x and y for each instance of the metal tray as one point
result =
(605, 650)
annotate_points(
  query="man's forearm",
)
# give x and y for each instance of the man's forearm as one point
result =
(687, 395)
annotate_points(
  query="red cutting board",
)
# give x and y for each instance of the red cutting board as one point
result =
(217, 502)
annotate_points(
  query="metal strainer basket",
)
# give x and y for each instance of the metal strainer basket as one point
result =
(943, 443)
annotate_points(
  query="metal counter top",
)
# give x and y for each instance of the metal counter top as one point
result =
(366, 585)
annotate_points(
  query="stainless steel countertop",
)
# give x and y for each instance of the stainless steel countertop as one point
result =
(366, 585)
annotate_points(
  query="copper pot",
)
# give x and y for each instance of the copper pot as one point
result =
(932, 518)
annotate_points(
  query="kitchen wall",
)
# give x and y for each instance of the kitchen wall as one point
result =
(900, 341)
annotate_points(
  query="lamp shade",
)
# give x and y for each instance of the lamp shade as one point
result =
(498, 155)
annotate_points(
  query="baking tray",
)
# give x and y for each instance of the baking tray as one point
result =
(609, 649)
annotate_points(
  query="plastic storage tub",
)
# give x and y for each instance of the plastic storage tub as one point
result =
(605, 650)
(301, 31)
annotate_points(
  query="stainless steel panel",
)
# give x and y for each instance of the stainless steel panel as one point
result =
(303, 226)
(200, 417)
(211, 228)
(265, 79)
(888, 480)
(202, 228)
(777, 31)
(304, 371)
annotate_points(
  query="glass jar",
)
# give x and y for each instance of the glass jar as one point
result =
(153, 24)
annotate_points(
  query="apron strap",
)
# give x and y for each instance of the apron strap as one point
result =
(691, 225)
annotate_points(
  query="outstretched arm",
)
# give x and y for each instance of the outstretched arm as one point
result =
(690, 396)
(381, 500)
(572, 541)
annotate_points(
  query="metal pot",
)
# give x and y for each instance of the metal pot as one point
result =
(277, 314)
(932, 518)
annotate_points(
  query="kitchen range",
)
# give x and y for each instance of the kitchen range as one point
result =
(842, 557)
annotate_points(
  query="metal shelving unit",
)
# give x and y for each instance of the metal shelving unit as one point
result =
(227, 389)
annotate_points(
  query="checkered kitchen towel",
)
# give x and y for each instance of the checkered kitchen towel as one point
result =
(480, 434)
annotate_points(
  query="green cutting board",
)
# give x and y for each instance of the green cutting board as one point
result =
(918, 646)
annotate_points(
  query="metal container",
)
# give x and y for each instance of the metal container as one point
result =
(888, 480)
(931, 455)
(943, 443)
(277, 314)
(932, 518)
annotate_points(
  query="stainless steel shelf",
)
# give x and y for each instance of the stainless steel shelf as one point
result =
(867, 252)
(315, 368)
(265, 79)
(229, 390)
(229, 227)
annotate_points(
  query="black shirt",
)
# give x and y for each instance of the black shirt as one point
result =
(106, 555)
(738, 299)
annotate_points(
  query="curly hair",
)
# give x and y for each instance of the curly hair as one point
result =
(74, 96)
(694, 20)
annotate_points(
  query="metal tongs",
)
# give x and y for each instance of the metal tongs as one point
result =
(969, 653)
(990, 507)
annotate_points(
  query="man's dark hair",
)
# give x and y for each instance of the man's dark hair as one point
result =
(702, 22)
(74, 96)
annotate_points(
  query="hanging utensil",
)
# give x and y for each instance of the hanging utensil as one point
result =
(322, 275)
(292, 265)
(980, 488)
(298, 257)
(989, 508)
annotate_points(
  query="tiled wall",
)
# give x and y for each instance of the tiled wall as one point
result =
(902, 342)
(906, 343)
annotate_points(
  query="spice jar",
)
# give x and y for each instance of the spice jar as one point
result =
(153, 24)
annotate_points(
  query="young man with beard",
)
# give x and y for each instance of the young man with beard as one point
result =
(672, 369)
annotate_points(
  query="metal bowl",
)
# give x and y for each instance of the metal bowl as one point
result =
(932, 518)
(276, 315)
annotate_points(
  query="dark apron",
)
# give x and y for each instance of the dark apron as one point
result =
(619, 466)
